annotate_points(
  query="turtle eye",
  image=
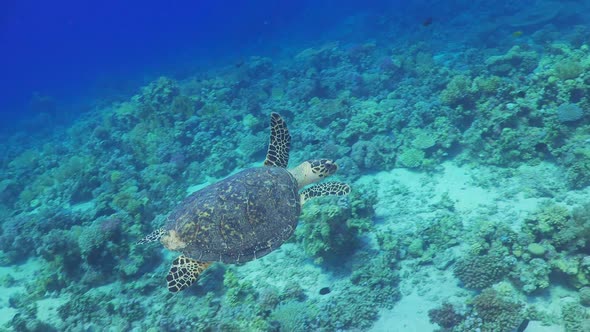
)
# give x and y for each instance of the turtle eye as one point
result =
(331, 167)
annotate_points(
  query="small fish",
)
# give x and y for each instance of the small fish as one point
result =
(427, 21)
(517, 34)
(325, 290)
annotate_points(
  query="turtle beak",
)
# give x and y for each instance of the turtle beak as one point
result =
(330, 166)
(324, 167)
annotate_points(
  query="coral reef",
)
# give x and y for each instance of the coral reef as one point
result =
(480, 271)
(74, 201)
(569, 113)
(445, 316)
(330, 232)
(497, 313)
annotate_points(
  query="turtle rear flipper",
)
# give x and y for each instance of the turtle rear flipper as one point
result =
(280, 143)
(184, 272)
(325, 189)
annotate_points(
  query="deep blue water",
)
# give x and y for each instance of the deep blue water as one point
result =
(61, 57)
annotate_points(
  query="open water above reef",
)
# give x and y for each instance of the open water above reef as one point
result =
(463, 128)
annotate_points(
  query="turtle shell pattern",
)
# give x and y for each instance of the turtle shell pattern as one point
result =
(240, 218)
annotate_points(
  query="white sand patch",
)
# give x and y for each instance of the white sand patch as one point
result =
(83, 207)
(423, 288)
(21, 274)
(47, 310)
(7, 313)
(456, 182)
(476, 193)
(285, 264)
(407, 198)
(536, 326)
(392, 184)
(409, 315)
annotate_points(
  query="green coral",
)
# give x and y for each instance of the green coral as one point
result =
(183, 106)
(584, 294)
(575, 317)
(416, 247)
(424, 140)
(324, 231)
(533, 275)
(130, 200)
(481, 271)
(292, 316)
(488, 84)
(548, 219)
(330, 231)
(115, 176)
(515, 60)
(369, 119)
(411, 158)
(498, 313)
(459, 91)
(238, 292)
(157, 96)
(572, 231)
(356, 304)
(564, 235)
(578, 170)
(536, 249)
(568, 69)
(379, 278)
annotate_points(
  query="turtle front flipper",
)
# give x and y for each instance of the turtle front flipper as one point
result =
(184, 272)
(325, 189)
(280, 143)
(153, 236)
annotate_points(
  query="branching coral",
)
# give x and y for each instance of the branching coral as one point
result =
(479, 272)
(445, 316)
(498, 313)
(411, 158)
(291, 316)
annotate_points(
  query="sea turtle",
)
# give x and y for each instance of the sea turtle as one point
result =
(245, 216)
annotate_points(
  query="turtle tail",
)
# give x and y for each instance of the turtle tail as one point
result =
(184, 272)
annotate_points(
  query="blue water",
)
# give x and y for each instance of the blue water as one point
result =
(75, 53)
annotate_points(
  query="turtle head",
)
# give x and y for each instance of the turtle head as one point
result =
(312, 171)
(171, 240)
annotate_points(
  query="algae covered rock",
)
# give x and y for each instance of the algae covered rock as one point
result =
(459, 91)
(516, 59)
(568, 69)
(584, 294)
(536, 249)
(569, 113)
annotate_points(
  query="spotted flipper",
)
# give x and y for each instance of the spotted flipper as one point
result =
(184, 272)
(280, 143)
(153, 236)
(325, 189)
